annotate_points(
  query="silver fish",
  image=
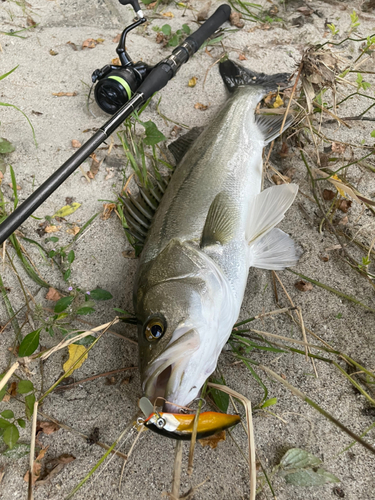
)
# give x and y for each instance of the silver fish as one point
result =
(213, 223)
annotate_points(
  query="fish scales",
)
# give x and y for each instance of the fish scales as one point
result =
(224, 158)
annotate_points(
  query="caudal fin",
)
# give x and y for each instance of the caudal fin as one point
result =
(234, 75)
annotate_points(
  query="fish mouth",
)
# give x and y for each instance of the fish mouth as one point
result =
(166, 373)
(166, 380)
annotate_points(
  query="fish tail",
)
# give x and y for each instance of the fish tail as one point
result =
(234, 75)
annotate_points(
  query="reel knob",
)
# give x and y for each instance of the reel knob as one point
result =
(135, 5)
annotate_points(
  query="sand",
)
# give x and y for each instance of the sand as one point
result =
(100, 260)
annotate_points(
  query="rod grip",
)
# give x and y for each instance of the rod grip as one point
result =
(156, 80)
(213, 23)
(163, 72)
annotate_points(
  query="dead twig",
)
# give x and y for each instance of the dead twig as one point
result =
(88, 379)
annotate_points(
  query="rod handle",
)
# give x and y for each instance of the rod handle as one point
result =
(207, 29)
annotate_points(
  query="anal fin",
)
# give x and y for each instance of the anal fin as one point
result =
(276, 251)
(221, 221)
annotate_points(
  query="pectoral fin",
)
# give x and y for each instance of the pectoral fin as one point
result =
(270, 248)
(221, 221)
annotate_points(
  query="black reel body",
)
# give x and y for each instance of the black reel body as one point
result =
(115, 89)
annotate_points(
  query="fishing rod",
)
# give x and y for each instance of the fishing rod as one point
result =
(119, 90)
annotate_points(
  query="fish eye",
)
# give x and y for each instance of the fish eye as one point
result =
(154, 329)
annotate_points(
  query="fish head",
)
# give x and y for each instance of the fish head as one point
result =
(181, 299)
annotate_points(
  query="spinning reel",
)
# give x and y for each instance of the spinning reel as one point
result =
(119, 91)
(115, 84)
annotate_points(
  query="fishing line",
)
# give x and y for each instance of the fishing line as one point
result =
(174, 404)
(204, 402)
(120, 445)
(99, 463)
(88, 101)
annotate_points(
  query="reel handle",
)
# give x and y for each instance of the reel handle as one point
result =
(163, 72)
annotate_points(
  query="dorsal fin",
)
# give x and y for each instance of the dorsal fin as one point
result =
(179, 147)
(139, 211)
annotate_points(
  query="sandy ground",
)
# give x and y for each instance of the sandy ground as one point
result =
(100, 260)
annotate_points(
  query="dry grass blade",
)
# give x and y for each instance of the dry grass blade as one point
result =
(287, 339)
(210, 67)
(32, 452)
(112, 332)
(8, 374)
(194, 433)
(12, 318)
(192, 442)
(307, 349)
(65, 343)
(300, 320)
(314, 405)
(283, 287)
(177, 470)
(303, 333)
(129, 454)
(331, 114)
(291, 97)
(250, 433)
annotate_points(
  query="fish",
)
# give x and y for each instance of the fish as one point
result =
(201, 233)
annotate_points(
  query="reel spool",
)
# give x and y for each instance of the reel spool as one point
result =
(115, 89)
